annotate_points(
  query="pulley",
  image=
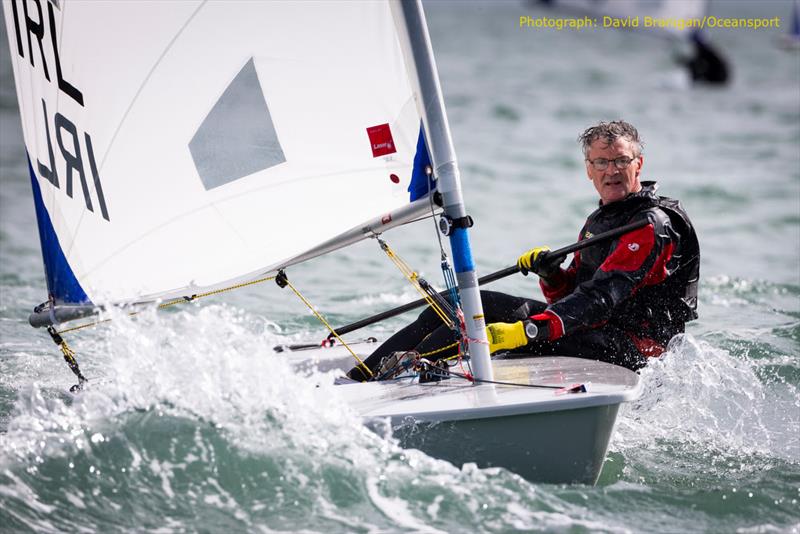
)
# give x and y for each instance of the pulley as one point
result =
(447, 224)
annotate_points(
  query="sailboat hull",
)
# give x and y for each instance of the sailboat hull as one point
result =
(524, 423)
(565, 446)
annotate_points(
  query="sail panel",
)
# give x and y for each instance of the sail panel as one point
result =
(241, 123)
(135, 214)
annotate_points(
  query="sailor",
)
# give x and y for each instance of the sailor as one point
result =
(618, 301)
(707, 65)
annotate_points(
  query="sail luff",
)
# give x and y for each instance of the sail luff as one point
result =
(443, 156)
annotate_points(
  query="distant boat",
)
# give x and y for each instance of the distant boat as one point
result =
(707, 65)
(238, 140)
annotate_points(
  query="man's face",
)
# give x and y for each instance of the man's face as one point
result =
(614, 184)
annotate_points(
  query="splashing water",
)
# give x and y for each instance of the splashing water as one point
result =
(192, 423)
(192, 418)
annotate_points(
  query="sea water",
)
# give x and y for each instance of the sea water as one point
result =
(193, 423)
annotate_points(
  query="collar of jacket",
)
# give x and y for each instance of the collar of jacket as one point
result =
(646, 194)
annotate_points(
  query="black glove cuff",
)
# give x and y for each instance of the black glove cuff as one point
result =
(537, 330)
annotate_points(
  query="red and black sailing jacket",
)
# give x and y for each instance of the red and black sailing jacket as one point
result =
(644, 282)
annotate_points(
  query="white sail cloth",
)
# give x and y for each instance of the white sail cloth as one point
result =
(181, 145)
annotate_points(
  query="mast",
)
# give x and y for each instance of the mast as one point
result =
(443, 156)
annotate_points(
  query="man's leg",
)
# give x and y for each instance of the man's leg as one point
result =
(427, 333)
(405, 339)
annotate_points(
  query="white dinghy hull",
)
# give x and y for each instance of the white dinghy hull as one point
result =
(566, 446)
(542, 434)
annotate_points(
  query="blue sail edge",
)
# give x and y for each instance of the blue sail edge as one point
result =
(420, 184)
(62, 285)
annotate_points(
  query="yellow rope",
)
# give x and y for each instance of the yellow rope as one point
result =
(70, 354)
(215, 292)
(401, 264)
(328, 326)
(431, 353)
(87, 325)
(409, 273)
(182, 300)
(69, 357)
(413, 278)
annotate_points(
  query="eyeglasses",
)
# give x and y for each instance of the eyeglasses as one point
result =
(601, 164)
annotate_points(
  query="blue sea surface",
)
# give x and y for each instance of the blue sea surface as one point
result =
(193, 423)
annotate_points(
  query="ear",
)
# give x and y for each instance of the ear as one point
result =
(588, 171)
(640, 163)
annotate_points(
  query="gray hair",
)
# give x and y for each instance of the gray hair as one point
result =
(610, 132)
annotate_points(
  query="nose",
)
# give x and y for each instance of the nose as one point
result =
(611, 170)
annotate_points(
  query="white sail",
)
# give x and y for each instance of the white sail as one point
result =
(176, 146)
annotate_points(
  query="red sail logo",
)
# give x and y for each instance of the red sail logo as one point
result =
(380, 140)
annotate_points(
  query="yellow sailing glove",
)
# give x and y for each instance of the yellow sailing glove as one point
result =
(537, 260)
(506, 336)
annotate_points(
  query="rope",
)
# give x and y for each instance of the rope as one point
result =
(181, 300)
(413, 277)
(69, 354)
(328, 326)
(74, 328)
(69, 357)
(447, 271)
(566, 389)
(437, 351)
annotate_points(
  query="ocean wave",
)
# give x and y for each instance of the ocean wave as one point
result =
(190, 418)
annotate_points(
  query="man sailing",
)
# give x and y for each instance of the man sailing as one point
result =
(618, 301)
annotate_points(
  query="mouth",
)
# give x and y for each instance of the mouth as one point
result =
(613, 182)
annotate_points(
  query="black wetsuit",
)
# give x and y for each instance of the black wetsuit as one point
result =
(618, 301)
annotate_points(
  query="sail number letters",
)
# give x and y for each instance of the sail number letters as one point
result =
(32, 32)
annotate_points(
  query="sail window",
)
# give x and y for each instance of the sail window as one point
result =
(237, 138)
